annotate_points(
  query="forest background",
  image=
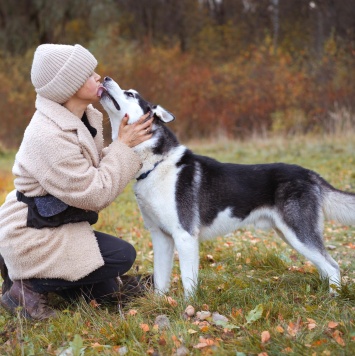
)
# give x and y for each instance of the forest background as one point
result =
(225, 68)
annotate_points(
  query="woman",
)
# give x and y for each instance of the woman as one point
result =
(63, 177)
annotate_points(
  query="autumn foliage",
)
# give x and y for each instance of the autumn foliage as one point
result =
(216, 80)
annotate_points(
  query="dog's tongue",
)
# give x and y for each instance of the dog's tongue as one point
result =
(100, 90)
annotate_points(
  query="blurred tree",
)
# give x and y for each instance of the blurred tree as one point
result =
(275, 22)
(244, 65)
(25, 23)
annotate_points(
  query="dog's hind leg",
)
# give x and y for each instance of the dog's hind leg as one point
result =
(188, 249)
(163, 247)
(300, 220)
(314, 251)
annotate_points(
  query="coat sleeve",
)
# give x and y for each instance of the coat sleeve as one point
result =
(74, 180)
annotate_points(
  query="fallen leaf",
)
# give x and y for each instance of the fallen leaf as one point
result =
(332, 324)
(162, 341)
(132, 312)
(296, 269)
(311, 324)
(255, 314)
(311, 320)
(218, 317)
(171, 301)
(209, 342)
(144, 327)
(293, 328)
(192, 331)
(287, 350)
(94, 304)
(237, 312)
(263, 354)
(280, 329)
(265, 336)
(97, 346)
(319, 342)
(221, 287)
(204, 328)
(200, 345)
(203, 315)
(337, 337)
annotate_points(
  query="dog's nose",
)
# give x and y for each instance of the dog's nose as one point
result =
(107, 79)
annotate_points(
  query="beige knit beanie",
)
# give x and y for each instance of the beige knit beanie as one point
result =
(59, 71)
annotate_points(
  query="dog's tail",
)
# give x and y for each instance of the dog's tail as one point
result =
(339, 206)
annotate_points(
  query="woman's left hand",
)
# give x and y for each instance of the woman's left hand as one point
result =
(134, 134)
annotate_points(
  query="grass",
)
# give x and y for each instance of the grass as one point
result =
(273, 298)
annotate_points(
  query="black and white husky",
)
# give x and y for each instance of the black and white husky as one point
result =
(185, 198)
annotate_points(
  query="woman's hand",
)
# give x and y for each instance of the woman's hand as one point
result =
(134, 134)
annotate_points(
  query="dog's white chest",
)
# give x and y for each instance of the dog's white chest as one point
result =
(156, 198)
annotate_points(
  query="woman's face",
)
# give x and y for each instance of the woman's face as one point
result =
(88, 92)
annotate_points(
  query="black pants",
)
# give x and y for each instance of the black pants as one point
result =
(119, 257)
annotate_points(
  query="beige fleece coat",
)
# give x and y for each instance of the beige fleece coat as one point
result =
(59, 156)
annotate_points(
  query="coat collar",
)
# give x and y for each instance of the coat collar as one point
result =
(67, 121)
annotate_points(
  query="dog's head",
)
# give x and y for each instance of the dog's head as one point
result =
(118, 102)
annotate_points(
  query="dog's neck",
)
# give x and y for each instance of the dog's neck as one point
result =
(157, 149)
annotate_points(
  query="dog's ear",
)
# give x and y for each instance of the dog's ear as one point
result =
(163, 114)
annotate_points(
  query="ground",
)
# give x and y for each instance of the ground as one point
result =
(269, 299)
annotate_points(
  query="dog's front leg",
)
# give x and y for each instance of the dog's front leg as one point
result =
(163, 247)
(188, 249)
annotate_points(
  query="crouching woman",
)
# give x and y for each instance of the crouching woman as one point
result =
(63, 178)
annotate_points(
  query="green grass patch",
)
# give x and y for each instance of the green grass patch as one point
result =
(273, 299)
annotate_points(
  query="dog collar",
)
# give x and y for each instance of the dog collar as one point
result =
(146, 174)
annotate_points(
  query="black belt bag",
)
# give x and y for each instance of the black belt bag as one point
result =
(49, 211)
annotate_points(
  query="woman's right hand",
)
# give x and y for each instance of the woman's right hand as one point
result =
(134, 134)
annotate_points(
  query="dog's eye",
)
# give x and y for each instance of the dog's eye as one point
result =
(129, 94)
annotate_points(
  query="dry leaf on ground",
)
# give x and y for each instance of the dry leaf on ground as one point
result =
(265, 336)
(337, 336)
(280, 329)
(144, 327)
(332, 324)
